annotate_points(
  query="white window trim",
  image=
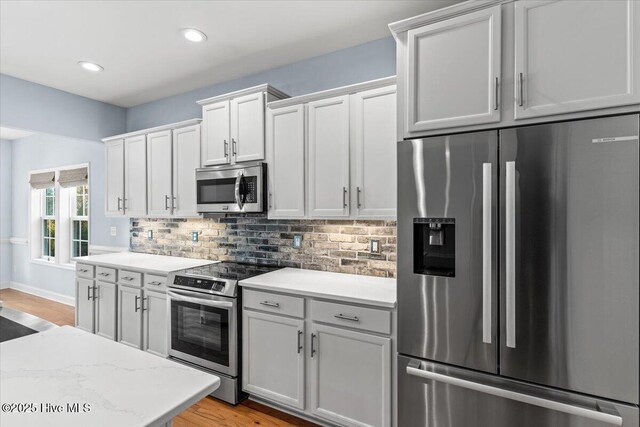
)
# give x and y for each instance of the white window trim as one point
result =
(74, 217)
(63, 257)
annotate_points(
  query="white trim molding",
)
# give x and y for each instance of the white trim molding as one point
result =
(4, 240)
(18, 241)
(54, 296)
(97, 250)
(5, 285)
(181, 124)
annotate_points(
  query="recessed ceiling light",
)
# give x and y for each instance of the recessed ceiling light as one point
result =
(90, 66)
(194, 35)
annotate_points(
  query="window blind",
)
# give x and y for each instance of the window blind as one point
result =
(42, 180)
(73, 177)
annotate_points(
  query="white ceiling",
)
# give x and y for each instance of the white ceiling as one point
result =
(145, 58)
(11, 134)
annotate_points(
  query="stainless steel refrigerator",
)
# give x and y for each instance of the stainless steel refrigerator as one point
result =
(518, 276)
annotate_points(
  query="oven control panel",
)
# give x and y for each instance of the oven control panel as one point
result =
(197, 283)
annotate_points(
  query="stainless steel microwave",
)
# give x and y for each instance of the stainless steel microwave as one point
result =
(235, 188)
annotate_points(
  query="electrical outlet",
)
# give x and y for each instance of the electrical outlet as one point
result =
(374, 246)
(114, 230)
(194, 236)
(297, 241)
(149, 234)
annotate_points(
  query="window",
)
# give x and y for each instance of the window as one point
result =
(59, 215)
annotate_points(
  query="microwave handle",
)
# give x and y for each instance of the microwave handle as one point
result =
(239, 196)
(201, 301)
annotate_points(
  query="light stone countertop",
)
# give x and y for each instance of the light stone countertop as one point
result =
(122, 386)
(158, 264)
(350, 288)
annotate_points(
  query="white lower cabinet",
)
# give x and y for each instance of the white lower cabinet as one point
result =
(351, 377)
(130, 316)
(105, 308)
(154, 323)
(274, 363)
(85, 314)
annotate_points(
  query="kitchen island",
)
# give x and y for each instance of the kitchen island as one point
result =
(65, 376)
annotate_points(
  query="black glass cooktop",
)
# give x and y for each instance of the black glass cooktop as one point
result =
(230, 270)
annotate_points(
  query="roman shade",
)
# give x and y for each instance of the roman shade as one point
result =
(42, 180)
(73, 177)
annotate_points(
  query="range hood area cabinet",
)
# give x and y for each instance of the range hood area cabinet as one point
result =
(152, 172)
(504, 63)
(233, 125)
(332, 154)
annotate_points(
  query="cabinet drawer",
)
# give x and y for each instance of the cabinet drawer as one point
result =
(84, 270)
(367, 319)
(106, 274)
(155, 282)
(273, 303)
(131, 278)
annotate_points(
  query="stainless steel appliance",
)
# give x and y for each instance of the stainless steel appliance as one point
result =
(204, 321)
(518, 276)
(235, 188)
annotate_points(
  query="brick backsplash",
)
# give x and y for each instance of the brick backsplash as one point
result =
(327, 245)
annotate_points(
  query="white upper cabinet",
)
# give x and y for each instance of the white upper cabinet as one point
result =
(135, 176)
(329, 157)
(373, 128)
(453, 72)
(575, 56)
(114, 182)
(285, 157)
(186, 159)
(247, 127)
(215, 136)
(159, 173)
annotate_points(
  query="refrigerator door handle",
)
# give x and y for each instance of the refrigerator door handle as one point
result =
(609, 415)
(510, 244)
(486, 252)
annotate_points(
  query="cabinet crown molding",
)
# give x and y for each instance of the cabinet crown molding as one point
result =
(176, 125)
(259, 88)
(442, 14)
(344, 90)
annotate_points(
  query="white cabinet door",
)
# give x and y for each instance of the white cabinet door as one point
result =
(114, 182)
(155, 326)
(215, 134)
(575, 56)
(351, 377)
(285, 157)
(130, 316)
(84, 305)
(247, 127)
(105, 306)
(373, 127)
(273, 357)
(159, 173)
(135, 176)
(329, 157)
(453, 72)
(186, 159)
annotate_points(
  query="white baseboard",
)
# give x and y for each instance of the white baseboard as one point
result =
(18, 241)
(54, 296)
(5, 285)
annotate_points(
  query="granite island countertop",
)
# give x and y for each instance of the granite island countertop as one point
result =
(119, 385)
(159, 264)
(341, 287)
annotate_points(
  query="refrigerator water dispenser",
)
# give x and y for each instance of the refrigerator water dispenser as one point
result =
(434, 246)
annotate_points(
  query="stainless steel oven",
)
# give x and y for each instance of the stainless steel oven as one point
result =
(236, 188)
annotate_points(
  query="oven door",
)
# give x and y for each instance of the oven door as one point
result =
(203, 330)
(237, 189)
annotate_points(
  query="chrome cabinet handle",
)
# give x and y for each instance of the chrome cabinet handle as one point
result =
(510, 253)
(313, 350)
(226, 148)
(486, 252)
(350, 318)
(234, 145)
(174, 202)
(270, 304)
(358, 196)
(344, 197)
(96, 294)
(89, 292)
(127, 278)
(119, 203)
(143, 300)
(166, 203)
(521, 89)
(124, 205)
(104, 274)
(82, 270)
(270, 197)
(495, 94)
(299, 341)
(136, 303)
(612, 416)
(155, 283)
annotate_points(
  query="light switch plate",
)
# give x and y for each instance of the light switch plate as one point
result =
(374, 246)
(194, 236)
(297, 241)
(114, 230)
(150, 235)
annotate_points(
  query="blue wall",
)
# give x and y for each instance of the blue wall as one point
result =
(356, 64)
(5, 211)
(30, 106)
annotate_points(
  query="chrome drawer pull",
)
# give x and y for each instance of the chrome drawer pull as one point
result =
(299, 341)
(104, 274)
(82, 270)
(137, 298)
(270, 304)
(313, 350)
(343, 317)
(127, 278)
(155, 283)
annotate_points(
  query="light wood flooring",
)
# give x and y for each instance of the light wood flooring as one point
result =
(209, 412)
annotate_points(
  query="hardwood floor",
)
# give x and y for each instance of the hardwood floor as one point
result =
(209, 412)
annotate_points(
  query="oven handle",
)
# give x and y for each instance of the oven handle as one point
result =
(239, 201)
(201, 301)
